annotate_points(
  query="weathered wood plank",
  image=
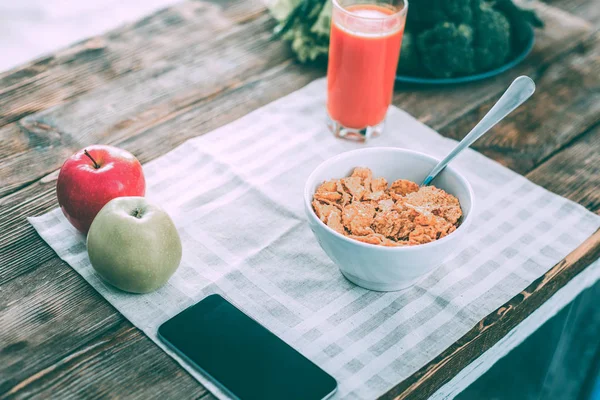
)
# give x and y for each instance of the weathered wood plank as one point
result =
(123, 364)
(23, 152)
(90, 64)
(492, 328)
(12, 141)
(566, 103)
(141, 99)
(21, 247)
(155, 93)
(59, 339)
(33, 320)
(586, 9)
(574, 172)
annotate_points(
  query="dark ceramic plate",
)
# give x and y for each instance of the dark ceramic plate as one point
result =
(526, 47)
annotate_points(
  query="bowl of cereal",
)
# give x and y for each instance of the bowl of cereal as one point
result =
(382, 230)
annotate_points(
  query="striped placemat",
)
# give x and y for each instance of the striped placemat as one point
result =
(235, 195)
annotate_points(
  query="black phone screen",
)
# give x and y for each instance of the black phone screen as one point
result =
(243, 356)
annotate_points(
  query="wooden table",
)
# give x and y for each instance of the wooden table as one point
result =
(186, 70)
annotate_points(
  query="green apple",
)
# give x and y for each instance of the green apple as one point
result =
(134, 245)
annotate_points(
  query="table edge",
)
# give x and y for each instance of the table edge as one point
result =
(443, 368)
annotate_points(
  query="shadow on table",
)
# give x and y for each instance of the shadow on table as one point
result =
(560, 361)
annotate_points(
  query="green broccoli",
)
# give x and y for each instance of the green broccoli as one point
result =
(492, 38)
(409, 55)
(423, 14)
(447, 50)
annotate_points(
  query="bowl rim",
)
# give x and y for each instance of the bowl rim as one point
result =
(308, 195)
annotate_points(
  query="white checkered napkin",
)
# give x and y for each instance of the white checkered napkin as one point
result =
(236, 198)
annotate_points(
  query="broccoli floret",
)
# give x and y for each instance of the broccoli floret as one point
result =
(492, 38)
(521, 21)
(409, 57)
(447, 50)
(424, 14)
(450, 49)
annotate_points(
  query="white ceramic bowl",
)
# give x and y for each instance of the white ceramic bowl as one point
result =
(378, 267)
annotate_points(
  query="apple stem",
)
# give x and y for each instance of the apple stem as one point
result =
(96, 165)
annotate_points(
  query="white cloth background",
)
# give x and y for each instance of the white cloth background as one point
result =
(235, 195)
(32, 28)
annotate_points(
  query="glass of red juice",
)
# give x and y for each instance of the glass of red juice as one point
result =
(363, 55)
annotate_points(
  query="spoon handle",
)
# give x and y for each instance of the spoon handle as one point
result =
(520, 90)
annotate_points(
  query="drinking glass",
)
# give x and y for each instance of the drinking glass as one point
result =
(364, 48)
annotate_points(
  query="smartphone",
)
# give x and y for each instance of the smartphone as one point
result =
(241, 356)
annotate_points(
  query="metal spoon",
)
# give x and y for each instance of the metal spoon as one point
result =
(520, 90)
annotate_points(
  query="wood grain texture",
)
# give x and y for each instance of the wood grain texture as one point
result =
(44, 356)
(588, 10)
(148, 87)
(496, 325)
(574, 172)
(123, 364)
(172, 82)
(150, 42)
(566, 103)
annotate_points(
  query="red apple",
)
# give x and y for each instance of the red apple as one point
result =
(94, 176)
